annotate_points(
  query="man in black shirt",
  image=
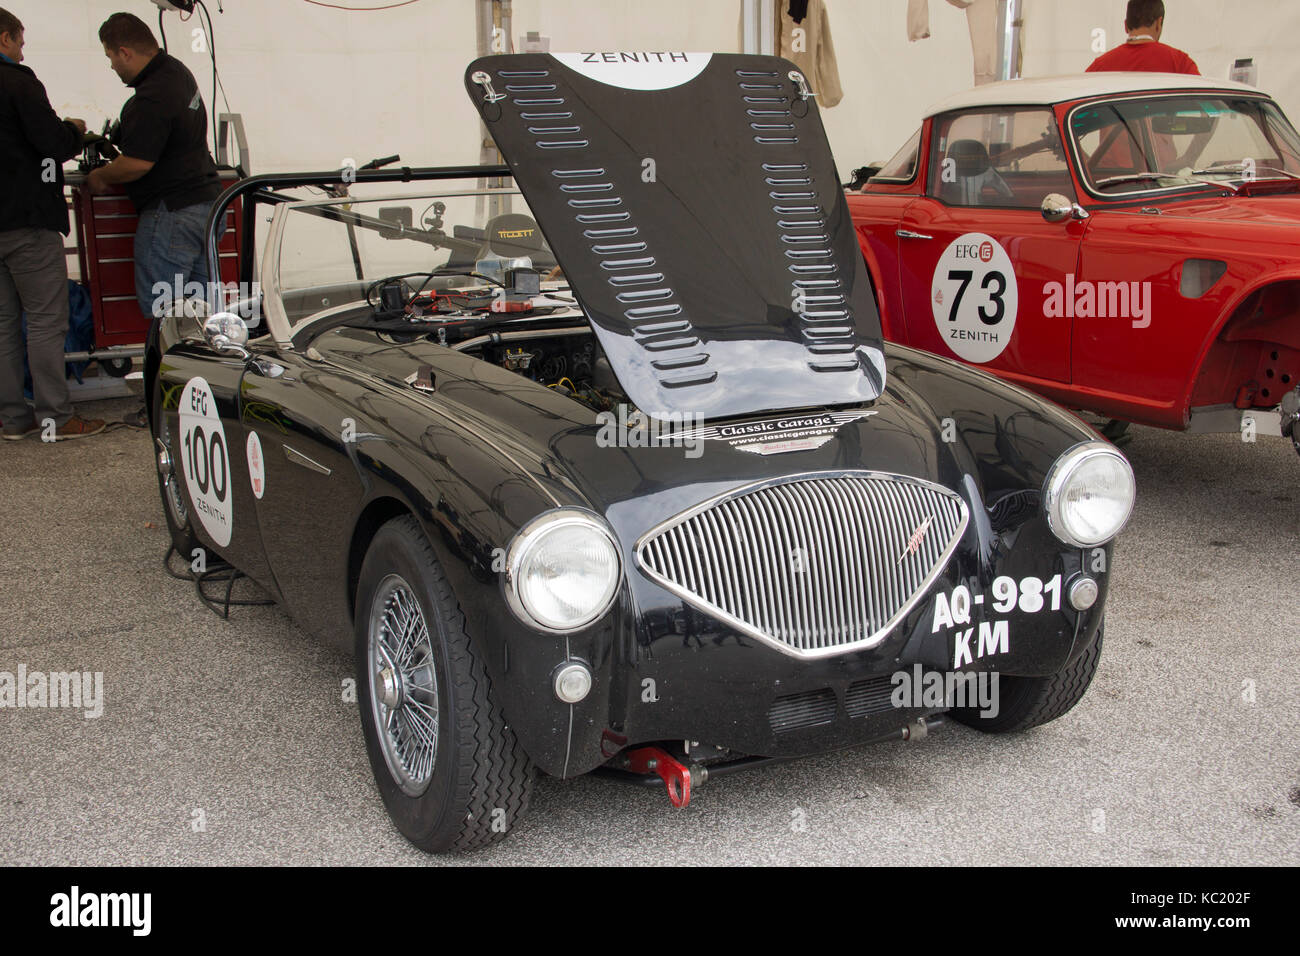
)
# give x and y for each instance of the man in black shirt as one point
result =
(34, 144)
(165, 167)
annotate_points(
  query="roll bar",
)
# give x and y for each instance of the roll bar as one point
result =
(262, 189)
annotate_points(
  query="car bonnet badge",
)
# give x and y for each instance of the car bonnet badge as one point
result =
(914, 542)
(775, 436)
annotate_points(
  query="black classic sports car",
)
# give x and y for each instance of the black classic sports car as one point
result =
(613, 471)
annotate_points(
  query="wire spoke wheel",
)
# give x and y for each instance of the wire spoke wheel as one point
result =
(174, 501)
(403, 685)
(449, 768)
(173, 497)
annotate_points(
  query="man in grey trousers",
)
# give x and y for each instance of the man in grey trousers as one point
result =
(34, 144)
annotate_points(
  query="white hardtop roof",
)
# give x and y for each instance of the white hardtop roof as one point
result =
(1049, 90)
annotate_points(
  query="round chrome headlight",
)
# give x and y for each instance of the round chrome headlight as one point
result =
(1089, 494)
(562, 570)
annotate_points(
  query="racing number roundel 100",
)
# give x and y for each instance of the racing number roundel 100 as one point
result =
(974, 297)
(205, 460)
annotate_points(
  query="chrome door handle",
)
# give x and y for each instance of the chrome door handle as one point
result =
(908, 234)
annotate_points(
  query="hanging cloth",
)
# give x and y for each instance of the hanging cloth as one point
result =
(816, 58)
(918, 19)
(982, 21)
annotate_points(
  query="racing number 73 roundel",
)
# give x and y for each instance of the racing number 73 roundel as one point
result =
(974, 298)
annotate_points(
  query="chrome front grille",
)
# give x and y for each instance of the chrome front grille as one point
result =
(814, 564)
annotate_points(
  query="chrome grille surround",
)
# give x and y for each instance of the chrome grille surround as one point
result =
(815, 564)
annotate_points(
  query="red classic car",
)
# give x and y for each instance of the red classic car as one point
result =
(1125, 243)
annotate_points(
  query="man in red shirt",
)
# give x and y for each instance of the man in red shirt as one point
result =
(1144, 52)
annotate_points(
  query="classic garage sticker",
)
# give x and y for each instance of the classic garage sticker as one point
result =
(974, 297)
(205, 460)
(256, 465)
(775, 436)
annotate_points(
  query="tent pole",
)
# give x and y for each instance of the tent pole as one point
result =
(1009, 27)
(758, 27)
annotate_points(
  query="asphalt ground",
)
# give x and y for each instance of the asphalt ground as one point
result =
(231, 742)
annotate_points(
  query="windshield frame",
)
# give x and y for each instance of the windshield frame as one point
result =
(916, 138)
(282, 332)
(1186, 186)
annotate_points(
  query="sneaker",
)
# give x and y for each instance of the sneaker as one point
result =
(22, 431)
(76, 427)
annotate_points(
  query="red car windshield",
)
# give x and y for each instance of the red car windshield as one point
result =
(1161, 143)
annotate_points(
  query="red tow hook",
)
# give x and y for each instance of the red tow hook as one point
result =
(676, 776)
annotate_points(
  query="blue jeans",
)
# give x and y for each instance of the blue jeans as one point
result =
(170, 244)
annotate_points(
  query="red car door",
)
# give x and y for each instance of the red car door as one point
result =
(1131, 365)
(982, 273)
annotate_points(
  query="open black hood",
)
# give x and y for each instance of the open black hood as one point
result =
(693, 203)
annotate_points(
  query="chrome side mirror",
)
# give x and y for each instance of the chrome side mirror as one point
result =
(1058, 208)
(227, 333)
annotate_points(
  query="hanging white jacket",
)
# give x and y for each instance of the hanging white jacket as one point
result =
(918, 19)
(816, 56)
(982, 21)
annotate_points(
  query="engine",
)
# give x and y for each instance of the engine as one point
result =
(571, 364)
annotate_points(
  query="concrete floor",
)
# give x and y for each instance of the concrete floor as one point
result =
(230, 742)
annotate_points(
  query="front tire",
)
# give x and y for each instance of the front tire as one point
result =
(448, 767)
(170, 489)
(1026, 702)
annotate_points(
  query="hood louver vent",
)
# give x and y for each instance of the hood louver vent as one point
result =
(693, 204)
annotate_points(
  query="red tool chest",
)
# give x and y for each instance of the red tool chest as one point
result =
(105, 236)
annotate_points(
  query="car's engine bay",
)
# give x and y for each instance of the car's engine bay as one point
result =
(570, 361)
(515, 325)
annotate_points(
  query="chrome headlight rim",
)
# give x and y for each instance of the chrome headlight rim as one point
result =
(1058, 478)
(527, 538)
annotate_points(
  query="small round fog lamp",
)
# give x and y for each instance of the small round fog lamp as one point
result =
(572, 682)
(1083, 593)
